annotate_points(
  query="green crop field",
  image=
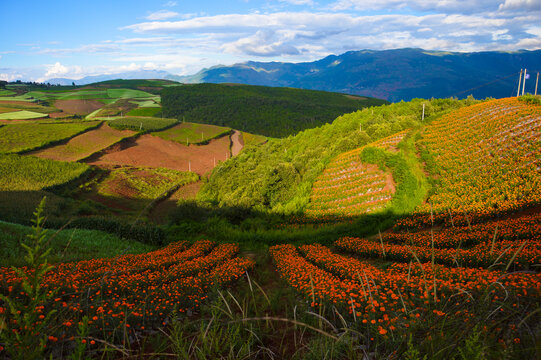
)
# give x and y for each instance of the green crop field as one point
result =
(192, 133)
(144, 111)
(28, 173)
(21, 115)
(127, 93)
(4, 92)
(154, 102)
(24, 97)
(67, 245)
(141, 123)
(15, 138)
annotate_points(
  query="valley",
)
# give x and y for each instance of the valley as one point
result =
(220, 221)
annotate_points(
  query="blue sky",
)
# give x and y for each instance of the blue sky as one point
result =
(73, 39)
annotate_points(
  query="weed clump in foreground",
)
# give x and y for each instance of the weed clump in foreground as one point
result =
(24, 327)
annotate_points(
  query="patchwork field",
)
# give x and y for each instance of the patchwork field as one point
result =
(21, 115)
(21, 137)
(154, 152)
(192, 133)
(84, 145)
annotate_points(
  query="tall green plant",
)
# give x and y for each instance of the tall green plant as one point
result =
(26, 325)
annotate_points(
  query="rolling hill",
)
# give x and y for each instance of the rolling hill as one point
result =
(275, 112)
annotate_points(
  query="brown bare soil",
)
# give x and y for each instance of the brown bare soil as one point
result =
(236, 140)
(81, 107)
(154, 152)
(57, 115)
(82, 146)
(15, 102)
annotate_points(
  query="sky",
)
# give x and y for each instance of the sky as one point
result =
(71, 39)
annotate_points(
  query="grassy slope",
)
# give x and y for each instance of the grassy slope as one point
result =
(260, 110)
(67, 245)
(279, 174)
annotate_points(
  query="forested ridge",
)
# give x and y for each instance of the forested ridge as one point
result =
(274, 112)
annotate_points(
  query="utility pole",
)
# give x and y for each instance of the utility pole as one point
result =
(423, 119)
(519, 81)
(524, 81)
(536, 81)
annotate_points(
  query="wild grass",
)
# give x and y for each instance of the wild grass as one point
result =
(66, 245)
(22, 137)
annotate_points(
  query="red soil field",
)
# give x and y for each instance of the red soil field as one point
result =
(78, 106)
(154, 152)
(84, 145)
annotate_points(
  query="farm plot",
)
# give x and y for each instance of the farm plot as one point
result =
(21, 115)
(84, 145)
(141, 123)
(486, 158)
(80, 107)
(28, 173)
(192, 133)
(132, 294)
(21, 137)
(390, 303)
(154, 152)
(349, 187)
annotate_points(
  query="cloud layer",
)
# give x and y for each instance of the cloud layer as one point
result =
(300, 30)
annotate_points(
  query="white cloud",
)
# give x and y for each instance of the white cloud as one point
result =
(447, 6)
(262, 43)
(10, 76)
(162, 15)
(56, 70)
(525, 5)
(170, 4)
(299, 2)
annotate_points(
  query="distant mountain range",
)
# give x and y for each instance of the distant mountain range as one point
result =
(141, 74)
(393, 75)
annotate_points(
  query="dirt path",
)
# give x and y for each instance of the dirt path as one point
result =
(81, 146)
(152, 151)
(237, 146)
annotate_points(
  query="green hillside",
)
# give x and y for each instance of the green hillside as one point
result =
(279, 174)
(275, 112)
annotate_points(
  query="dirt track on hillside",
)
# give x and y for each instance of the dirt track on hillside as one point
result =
(236, 140)
(154, 152)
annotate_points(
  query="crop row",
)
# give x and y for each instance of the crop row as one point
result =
(395, 297)
(134, 292)
(486, 157)
(522, 254)
(526, 227)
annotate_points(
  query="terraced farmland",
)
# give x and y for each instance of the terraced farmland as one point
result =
(348, 187)
(23, 137)
(84, 145)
